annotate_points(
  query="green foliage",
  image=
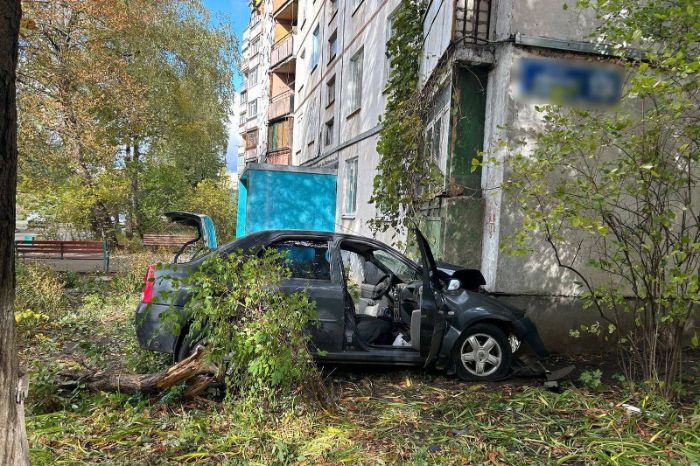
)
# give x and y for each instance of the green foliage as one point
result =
(592, 379)
(215, 197)
(434, 421)
(616, 190)
(128, 119)
(39, 296)
(406, 176)
(256, 334)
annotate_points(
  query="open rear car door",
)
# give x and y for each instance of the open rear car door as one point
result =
(432, 322)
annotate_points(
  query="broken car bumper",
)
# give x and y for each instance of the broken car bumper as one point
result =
(527, 332)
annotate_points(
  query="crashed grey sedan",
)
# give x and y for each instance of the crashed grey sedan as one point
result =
(375, 306)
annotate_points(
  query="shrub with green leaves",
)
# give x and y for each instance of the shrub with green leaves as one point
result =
(39, 295)
(256, 334)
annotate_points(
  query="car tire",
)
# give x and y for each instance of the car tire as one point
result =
(186, 345)
(482, 352)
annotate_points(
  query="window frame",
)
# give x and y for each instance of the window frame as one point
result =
(328, 129)
(252, 104)
(315, 57)
(355, 81)
(350, 195)
(332, 46)
(313, 240)
(330, 96)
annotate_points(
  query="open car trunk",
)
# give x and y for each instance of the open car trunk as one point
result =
(205, 237)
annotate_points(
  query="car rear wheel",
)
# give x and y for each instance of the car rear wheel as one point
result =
(186, 345)
(482, 353)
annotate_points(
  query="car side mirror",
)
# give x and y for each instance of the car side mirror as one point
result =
(454, 284)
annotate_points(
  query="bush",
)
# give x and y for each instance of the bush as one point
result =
(252, 331)
(39, 295)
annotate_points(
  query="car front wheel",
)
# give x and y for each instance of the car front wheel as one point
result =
(482, 353)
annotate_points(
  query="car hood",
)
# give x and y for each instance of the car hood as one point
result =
(469, 301)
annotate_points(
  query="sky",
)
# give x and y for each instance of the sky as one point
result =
(238, 12)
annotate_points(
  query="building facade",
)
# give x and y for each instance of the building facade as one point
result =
(341, 73)
(327, 72)
(253, 102)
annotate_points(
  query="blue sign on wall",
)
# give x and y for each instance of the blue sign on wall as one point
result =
(569, 82)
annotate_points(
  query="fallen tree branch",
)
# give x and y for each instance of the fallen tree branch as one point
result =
(190, 368)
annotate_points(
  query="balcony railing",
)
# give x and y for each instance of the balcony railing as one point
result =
(282, 50)
(281, 105)
(279, 157)
(472, 19)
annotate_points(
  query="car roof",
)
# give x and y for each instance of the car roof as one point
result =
(265, 236)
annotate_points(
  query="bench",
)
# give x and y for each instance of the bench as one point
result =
(166, 241)
(64, 250)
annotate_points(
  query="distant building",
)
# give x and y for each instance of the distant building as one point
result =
(254, 93)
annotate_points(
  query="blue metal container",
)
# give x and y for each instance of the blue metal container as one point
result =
(274, 197)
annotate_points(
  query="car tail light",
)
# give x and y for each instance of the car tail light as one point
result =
(147, 293)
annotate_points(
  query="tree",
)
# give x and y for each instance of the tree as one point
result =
(110, 90)
(14, 449)
(616, 190)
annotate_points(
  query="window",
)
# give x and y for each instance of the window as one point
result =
(306, 259)
(253, 77)
(355, 82)
(251, 139)
(333, 7)
(244, 97)
(356, 4)
(255, 46)
(315, 52)
(330, 91)
(432, 140)
(328, 133)
(332, 46)
(253, 108)
(350, 187)
(402, 270)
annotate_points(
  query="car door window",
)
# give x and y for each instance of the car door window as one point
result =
(306, 259)
(403, 271)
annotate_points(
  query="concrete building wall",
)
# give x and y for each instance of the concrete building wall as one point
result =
(360, 27)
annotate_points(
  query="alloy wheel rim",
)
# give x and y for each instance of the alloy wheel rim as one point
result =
(481, 354)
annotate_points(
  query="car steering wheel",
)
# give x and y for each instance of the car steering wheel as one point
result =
(383, 286)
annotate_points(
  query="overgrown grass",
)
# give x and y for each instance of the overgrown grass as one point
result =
(387, 419)
(406, 417)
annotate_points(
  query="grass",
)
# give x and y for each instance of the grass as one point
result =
(394, 417)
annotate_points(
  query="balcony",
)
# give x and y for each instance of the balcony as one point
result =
(472, 19)
(281, 52)
(281, 105)
(279, 157)
(284, 10)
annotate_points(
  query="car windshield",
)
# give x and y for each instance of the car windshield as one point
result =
(405, 272)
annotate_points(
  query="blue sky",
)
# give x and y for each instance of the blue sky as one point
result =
(237, 12)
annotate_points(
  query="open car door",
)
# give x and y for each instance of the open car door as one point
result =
(432, 322)
(206, 233)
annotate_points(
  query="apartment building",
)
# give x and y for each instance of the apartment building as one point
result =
(253, 102)
(471, 64)
(341, 72)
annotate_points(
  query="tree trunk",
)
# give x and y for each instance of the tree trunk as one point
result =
(189, 368)
(14, 449)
